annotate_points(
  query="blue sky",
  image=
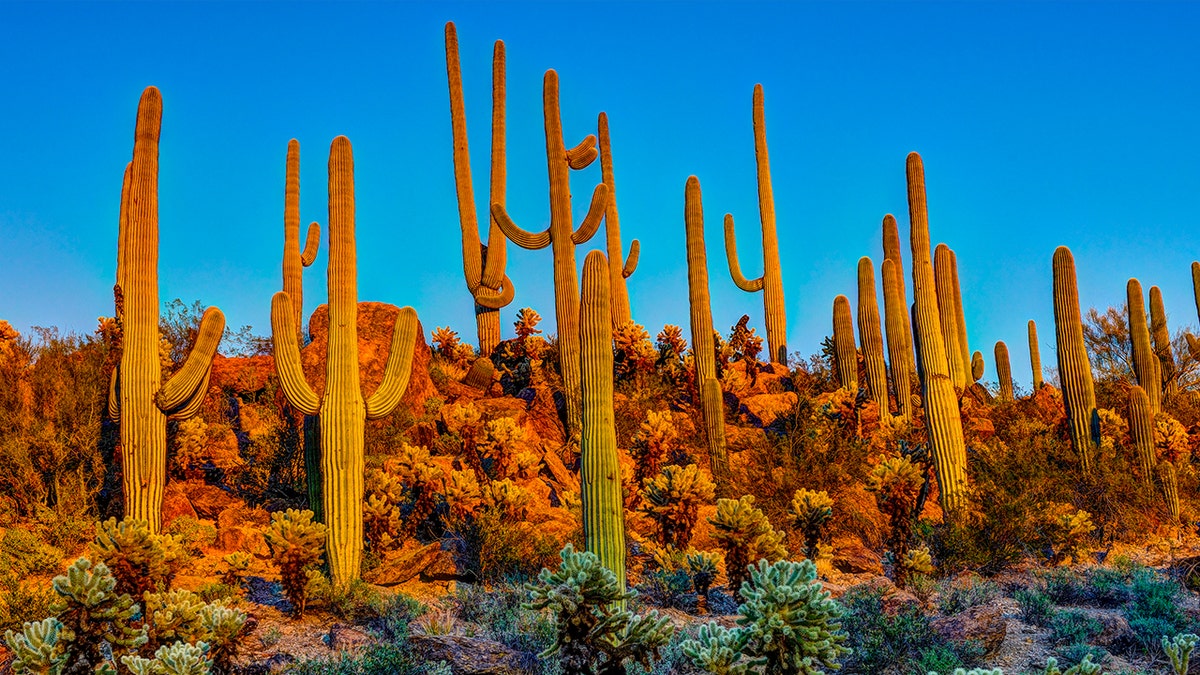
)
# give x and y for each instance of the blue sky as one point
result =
(1040, 124)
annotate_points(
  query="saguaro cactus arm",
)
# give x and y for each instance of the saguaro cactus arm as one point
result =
(191, 406)
(185, 384)
(595, 214)
(287, 357)
(114, 393)
(398, 369)
(735, 268)
(493, 299)
(635, 249)
(312, 242)
(518, 236)
(581, 156)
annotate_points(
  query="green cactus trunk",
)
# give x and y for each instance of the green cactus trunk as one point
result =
(870, 335)
(899, 339)
(845, 352)
(703, 355)
(1170, 488)
(1035, 356)
(1162, 343)
(1074, 369)
(562, 239)
(977, 366)
(1141, 431)
(771, 281)
(941, 403)
(145, 403)
(943, 270)
(599, 467)
(960, 316)
(1004, 372)
(1143, 353)
(483, 265)
(342, 409)
(891, 251)
(618, 272)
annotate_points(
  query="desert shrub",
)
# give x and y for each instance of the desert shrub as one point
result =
(1154, 609)
(139, 560)
(666, 582)
(1065, 530)
(1073, 626)
(297, 545)
(746, 536)
(22, 600)
(498, 549)
(376, 659)
(193, 535)
(1076, 654)
(966, 592)
(673, 499)
(902, 640)
(353, 602)
(22, 553)
(501, 616)
(1036, 607)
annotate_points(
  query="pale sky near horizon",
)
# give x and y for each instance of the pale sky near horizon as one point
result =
(1041, 124)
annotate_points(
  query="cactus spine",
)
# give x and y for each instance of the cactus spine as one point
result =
(600, 471)
(943, 270)
(561, 238)
(843, 343)
(342, 408)
(1170, 487)
(1143, 353)
(891, 251)
(941, 404)
(703, 354)
(483, 265)
(771, 281)
(899, 342)
(870, 335)
(1141, 430)
(1162, 342)
(618, 272)
(144, 401)
(1074, 369)
(1004, 372)
(1035, 356)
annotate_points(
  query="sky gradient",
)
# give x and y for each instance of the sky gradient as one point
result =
(1040, 125)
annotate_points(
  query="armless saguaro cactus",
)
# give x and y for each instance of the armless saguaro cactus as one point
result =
(845, 352)
(145, 402)
(959, 316)
(618, 272)
(1143, 353)
(977, 366)
(561, 238)
(342, 409)
(1162, 342)
(1035, 356)
(891, 251)
(1074, 368)
(599, 468)
(1004, 372)
(870, 335)
(943, 270)
(1141, 430)
(899, 339)
(941, 404)
(771, 281)
(711, 400)
(483, 265)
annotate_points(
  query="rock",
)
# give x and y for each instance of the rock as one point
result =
(851, 557)
(980, 394)
(558, 471)
(1116, 635)
(983, 623)
(376, 321)
(762, 410)
(275, 663)
(405, 565)
(347, 638)
(207, 500)
(242, 375)
(175, 503)
(469, 656)
(240, 528)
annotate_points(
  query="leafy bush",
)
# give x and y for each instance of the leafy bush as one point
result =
(22, 552)
(881, 640)
(1073, 626)
(22, 600)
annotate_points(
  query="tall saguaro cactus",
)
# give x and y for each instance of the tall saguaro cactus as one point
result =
(342, 409)
(845, 352)
(870, 336)
(771, 281)
(1004, 372)
(1162, 342)
(483, 265)
(702, 334)
(144, 402)
(899, 339)
(561, 238)
(1074, 368)
(618, 272)
(1144, 361)
(599, 469)
(942, 417)
(959, 315)
(891, 251)
(1035, 356)
(1141, 430)
(943, 270)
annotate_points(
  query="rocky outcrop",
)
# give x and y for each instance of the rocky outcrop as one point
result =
(469, 656)
(983, 623)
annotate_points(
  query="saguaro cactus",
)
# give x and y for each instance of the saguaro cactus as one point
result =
(1162, 342)
(599, 470)
(943, 270)
(1170, 487)
(618, 272)
(845, 352)
(977, 366)
(941, 404)
(959, 315)
(1004, 371)
(1035, 356)
(342, 409)
(562, 238)
(1141, 430)
(711, 399)
(771, 281)
(899, 339)
(870, 336)
(891, 251)
(144, 401)
(1074, 368)
(1143, 353)
(483, 265)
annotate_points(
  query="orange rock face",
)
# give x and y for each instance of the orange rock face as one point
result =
(242, 375)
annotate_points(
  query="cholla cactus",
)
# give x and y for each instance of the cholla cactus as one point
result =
(503, 439)
(702, 567)
(173, 616)
(1066, 529)
(421, 478)
(654, 440)
(717, 650)
(896, 482)
(463, 420)
(1179, 651)
(917, 561)
(507, 498)
(92, 613)
(445, 340)
(139, 560)
(596, 634)
(673, 499)
(746, 535)
(297, 543)
(526, 464)
(223, 629)
(180, 658)
(236, 566)
(462, 494)
(810, 511)
(382, 520)
(671, 348)
(633, 353)
(526, 323)
(1170, 439)
(39, 649)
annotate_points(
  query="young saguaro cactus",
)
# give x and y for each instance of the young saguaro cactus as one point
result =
(1143, 353)
(702, 334)
(1162, 342)
(941, 403)
(342, 409)
(1141, 430)
(483, 265)
(771, 281)
(943, 270)
(1035, 356)
(562, 238)
(144, 402)
(618, 272)
(870, 335)
(977, 366)
(1004, 371)
(600, 469)
(845, 353)
(1074, 368)
(899, 337)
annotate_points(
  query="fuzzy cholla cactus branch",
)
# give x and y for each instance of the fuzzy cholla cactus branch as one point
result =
(673, 499)
(180, 658)
(810, 511)
(746, 535)
(92, 613)
(1179, 651)
(39, 648)
(297, 543)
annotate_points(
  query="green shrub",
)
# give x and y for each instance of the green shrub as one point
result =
(1154, 609)
(881, 640)
(22, 600)
(22, 552)
(1078, 653)
(1073, 626)
(1036, 607)
(966, 592)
